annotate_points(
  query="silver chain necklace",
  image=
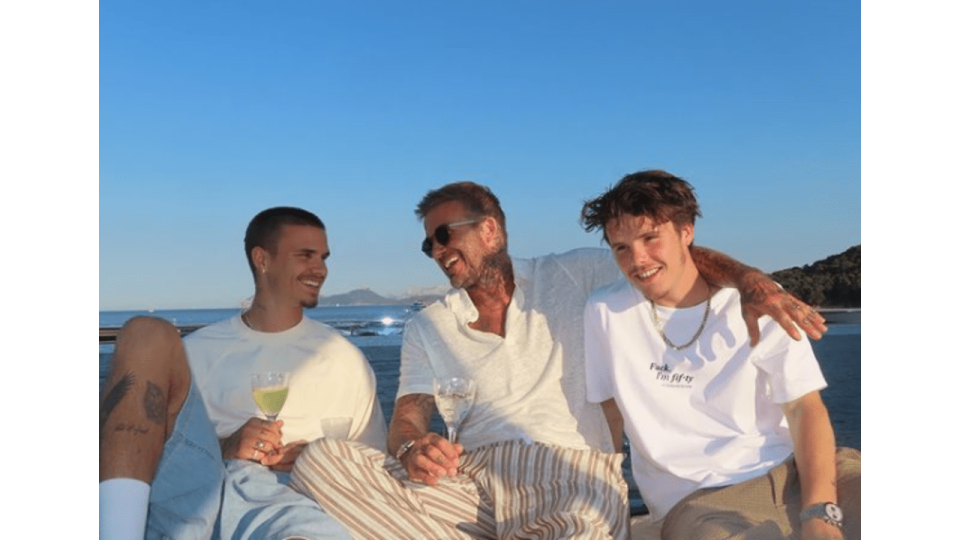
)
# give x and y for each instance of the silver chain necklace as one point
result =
(703, 324)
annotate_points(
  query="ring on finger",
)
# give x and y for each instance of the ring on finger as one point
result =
(255, 452)
(259, 444)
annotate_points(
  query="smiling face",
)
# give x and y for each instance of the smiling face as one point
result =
(655, 257)
(295, 271)
(462, 259)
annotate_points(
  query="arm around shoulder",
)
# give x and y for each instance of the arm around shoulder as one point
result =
(759, 295)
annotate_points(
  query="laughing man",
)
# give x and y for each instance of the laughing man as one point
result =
(534, 457)
(180, 440)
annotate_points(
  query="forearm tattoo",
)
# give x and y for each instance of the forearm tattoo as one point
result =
(756, 288)
(415, 412)
(719, 269)
(114, 397)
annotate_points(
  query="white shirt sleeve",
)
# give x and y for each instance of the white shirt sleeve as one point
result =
(416, 373)
(596, 357)
(791, 368)
(371, 429)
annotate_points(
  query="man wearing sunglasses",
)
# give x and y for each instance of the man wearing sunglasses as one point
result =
(534, 456)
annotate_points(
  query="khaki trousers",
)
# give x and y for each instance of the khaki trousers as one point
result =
(765, 508)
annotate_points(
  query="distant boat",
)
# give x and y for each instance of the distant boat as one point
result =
(417, 306)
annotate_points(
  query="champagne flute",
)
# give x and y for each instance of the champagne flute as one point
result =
(454, 398)
(270, 392)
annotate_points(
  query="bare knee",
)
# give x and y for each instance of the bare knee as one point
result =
(148, 344)
(147, 332)
(150, 352)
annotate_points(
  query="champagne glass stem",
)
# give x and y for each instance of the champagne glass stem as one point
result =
(453, 432)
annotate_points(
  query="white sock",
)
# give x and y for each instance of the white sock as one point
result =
(123, 509)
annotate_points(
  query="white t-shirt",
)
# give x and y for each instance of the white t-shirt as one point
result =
(330, 379)
(707, 415)
(530, 382)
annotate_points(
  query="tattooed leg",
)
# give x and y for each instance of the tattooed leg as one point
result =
(148, 383)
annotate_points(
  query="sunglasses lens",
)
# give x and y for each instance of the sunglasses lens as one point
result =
(442, 234)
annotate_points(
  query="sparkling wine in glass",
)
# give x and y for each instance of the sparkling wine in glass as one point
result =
(454, 398)
(270, 392)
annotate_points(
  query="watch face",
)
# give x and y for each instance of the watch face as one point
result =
(833, 511)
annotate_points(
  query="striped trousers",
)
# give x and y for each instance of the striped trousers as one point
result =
(505, 490)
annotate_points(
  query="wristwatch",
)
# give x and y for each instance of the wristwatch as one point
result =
(404, 448)
(826, 511)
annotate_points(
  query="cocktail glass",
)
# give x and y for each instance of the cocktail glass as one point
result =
(270, 392)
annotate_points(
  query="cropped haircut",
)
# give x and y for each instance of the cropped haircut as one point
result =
(476, 198)
(656, 194)
(264, 229)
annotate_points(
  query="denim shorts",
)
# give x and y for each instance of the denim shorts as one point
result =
(188, 491)
(259, 504)
(188, 485)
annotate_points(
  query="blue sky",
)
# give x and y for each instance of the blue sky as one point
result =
(212, 111)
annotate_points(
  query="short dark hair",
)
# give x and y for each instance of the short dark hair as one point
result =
(654, 193)
(477, 198)
(264, 229)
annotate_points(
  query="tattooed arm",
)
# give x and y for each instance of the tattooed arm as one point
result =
(431, 456)
(759, 295)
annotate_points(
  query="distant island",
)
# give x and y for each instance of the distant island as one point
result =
(831, 282)
(366, 297)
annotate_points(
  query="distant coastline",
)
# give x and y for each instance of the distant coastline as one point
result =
(830, 284)
(366, 297)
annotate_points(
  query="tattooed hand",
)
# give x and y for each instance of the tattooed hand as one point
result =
(760, 295)
(254, 440)
(431, 458)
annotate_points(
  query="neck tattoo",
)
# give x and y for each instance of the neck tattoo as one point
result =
(659, 326)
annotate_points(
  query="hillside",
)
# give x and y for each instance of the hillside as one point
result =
(831, 282)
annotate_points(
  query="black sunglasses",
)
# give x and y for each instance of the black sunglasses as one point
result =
(442, 234)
